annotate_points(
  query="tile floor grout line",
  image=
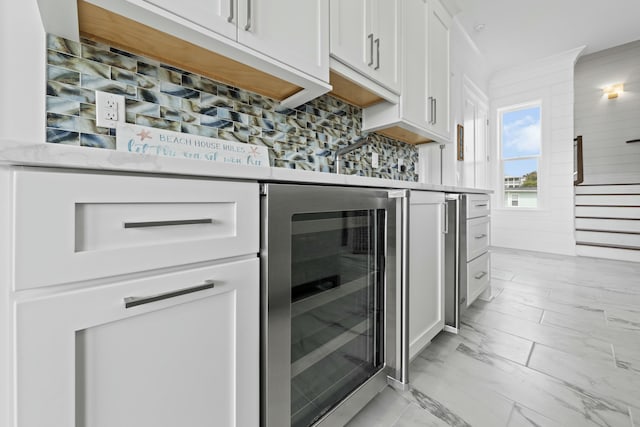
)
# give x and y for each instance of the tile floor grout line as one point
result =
(513, 409)
(533, 344)
(544, 310)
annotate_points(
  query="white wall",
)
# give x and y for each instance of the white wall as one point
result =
(549, 228)
(606, 125)
(22, 72)
(466, 63)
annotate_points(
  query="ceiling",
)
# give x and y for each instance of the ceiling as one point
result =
(516, 32)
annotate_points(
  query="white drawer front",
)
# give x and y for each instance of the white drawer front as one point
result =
(478, 205)
(477, 237)
(478, 277)
(78, 226)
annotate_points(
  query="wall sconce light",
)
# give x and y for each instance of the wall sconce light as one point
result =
(614, 90)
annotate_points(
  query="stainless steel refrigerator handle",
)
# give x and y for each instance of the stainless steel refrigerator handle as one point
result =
(248, 26)
(403, 381)
(231, 11)
(135, 301)
(145, 224)
(370, 37)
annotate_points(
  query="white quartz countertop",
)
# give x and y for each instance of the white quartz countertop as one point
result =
(65, 156)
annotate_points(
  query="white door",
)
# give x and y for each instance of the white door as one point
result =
(426, 269)
(352, 34)
(187, 355)
(386, 47)
(220, 16)
(439, 67)
(291, 31)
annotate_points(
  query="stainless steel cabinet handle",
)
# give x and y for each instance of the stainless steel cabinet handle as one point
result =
(431, 110)
(378, 53)
(145, 224)
(248, 26)
(435, 111)
(135, 301)
(446, 218)
(370, 38)
(481, 236)
(482, 205)
(231, 11)
(480, 275)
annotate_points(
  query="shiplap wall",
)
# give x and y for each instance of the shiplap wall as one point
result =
(549, 228)
(605, 124)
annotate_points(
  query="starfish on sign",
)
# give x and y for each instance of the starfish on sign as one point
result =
(144, 134)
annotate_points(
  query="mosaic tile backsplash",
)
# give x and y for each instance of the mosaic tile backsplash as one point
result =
(165, 97)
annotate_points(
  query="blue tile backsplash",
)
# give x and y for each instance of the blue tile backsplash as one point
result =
(165, 97)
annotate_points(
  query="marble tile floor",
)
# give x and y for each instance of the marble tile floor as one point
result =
(559, 345)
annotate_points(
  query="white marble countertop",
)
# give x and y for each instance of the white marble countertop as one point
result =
(65, 156)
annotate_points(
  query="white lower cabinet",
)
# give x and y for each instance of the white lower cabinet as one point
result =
(178, 349)
(426, 268)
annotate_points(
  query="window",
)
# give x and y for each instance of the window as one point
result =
(520, 146)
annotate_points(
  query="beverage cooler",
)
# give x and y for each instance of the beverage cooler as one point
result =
(334, 301)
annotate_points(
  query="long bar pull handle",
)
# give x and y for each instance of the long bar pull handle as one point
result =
(430, 110)
(481, 236)
(483, 205)
(446, 218)
(435, 111)
(631, 141)
(370, 38)
(146, 224)
(378, 53)
(130, 302)
(248, 26)
(231, 11)
(480, 275)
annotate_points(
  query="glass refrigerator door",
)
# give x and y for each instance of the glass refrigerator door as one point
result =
(336, 307)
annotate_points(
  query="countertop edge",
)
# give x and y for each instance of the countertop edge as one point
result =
(21, 153)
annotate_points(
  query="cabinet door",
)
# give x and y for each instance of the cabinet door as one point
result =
(386, 46)
(415, 107)
(426, 269)
(352, 34)
(219, 16)
(438, 24)
(294, 32)
(85, 359)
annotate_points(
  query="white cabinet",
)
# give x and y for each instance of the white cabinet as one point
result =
(85, 359)
(365, 37)
(423, 111)
(426, 268)
(475, 258)
(290, 31)
(135, 299)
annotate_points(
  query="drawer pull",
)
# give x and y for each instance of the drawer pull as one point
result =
(481, 236)
(480, 275)
(134, 301)
(483, 205)
(167, 223)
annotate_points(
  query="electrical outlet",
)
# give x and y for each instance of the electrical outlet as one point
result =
(110, 109)
(374, 160)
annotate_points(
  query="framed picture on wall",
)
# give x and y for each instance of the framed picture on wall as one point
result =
(460, 141)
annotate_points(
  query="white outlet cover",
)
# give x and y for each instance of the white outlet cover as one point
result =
(110, 109)
(374, 160)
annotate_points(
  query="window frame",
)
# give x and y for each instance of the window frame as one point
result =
(539, 157)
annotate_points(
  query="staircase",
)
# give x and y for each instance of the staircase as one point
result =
(608, 221)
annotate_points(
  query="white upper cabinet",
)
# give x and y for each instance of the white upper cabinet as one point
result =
(214, 15)
(438, 69)
(365, 38)
(423, 112)
(292, 31)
